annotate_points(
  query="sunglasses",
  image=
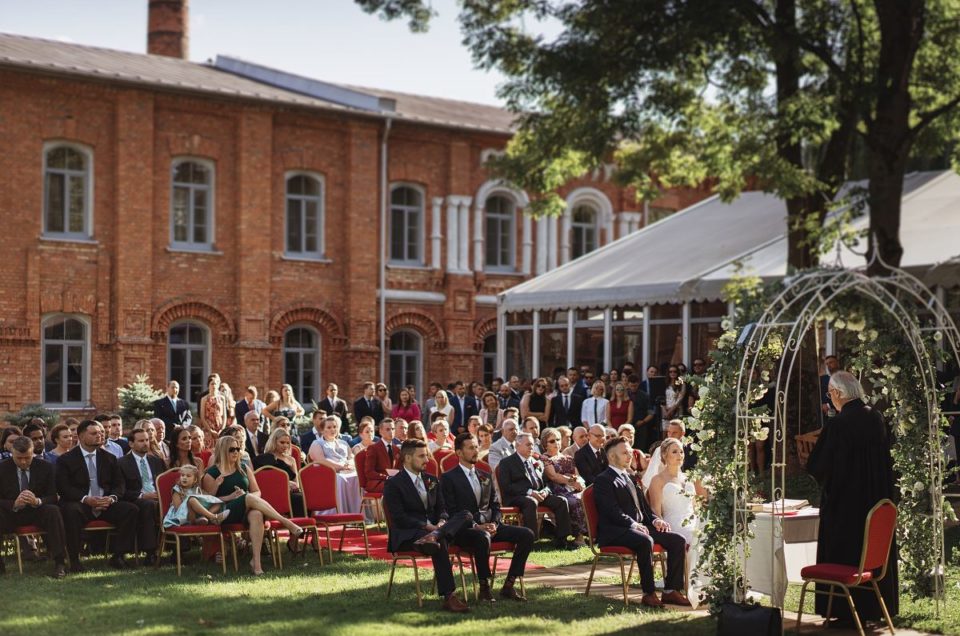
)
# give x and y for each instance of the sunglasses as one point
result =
(233, 449)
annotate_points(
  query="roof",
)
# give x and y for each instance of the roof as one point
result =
(166, 73)
(691, 255)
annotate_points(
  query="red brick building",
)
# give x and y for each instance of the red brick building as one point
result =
(173, 218)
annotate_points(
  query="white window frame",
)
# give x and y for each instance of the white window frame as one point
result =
(85, 343)
(320, 253)
(207, 355)
(511, 265)
(489, 357)
(316, 351)
(88, 183)
(584, 227)
(210, 188)
(420, 261)
(418, 356)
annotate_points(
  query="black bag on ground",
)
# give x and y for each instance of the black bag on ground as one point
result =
(749, 619)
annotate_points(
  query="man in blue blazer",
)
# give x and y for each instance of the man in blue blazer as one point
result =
(464, 406)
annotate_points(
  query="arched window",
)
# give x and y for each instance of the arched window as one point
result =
(301, 363)
(305, 211)
(67, 192)
(583, 230)
(489, 359)
(191, 205)
(405, 360)
(188, 358)
(501, 237)
(406, 226)
(65, 361)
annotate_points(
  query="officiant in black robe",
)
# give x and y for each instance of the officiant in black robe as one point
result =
(852, 463)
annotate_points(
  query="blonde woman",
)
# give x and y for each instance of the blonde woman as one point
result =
(442, 405)
(278, 453)
(286, 405)
(594, 409)
(333, 452)
(230, 402)
(228, 473)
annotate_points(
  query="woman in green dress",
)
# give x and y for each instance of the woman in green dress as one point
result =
(226, 473)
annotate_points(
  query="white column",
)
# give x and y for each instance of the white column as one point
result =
(609, 231)
(542, 245)
(453, 264)
(527, 252)
(686, 333)
(436, 236)
(571, 340)
(607, 340)
(565, 238)
(646, 339)
(535, 349)
(501, 341)
(478, 255)
(551, 243)
(463, 256)
(623, 221)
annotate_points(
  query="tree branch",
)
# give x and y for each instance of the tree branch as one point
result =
(926, 118)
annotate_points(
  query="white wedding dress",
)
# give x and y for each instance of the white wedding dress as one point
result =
(678, 510)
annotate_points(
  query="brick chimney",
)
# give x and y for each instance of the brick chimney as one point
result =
(167, 28)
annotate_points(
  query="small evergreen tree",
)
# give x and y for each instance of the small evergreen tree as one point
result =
(136, 400)
(30, 411)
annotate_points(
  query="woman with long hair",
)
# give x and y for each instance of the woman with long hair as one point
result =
(285, 405)
(181, 449)
(213, 412)
(278, 452)
(620, 407)
(491, 413)
(405, 408)
(534, 403)
(442, 405)
(228, 474)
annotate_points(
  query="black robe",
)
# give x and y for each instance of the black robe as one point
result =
(852, 463)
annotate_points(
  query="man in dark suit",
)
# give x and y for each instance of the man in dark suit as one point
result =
(506, 398)
(91, 487)
(315, 433)
(523, 485)
(591, 460)
(140, 469)
(467, 488)
(578, 385)
(333, 405)
(646, 422)
(565, 406)
(113, 425)
(463, 408)
(381, 456)
(418, 521)
(624, 518)
(250, 402)
(28, 497)
(256, 439)
(367, 405)
(173, 410)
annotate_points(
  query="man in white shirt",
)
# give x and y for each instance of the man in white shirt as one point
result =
(140, 469)
(505, 446)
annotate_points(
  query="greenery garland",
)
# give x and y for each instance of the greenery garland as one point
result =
(889, 373)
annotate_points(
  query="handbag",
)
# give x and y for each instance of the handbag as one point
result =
(743, 619)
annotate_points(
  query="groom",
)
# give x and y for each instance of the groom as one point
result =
(626, 520)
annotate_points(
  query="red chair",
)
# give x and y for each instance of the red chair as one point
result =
(275, 490)
(611, 551)
(370, 500)
(879, 529)
(432, 468)
(164, 484)
(319, 486)
(442, 453)
(105, 526)
(23, 531)
(449, 462)
(297, 454)
(513, 512)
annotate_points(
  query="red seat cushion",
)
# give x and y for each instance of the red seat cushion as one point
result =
(846, 574)
(615, 549)
(303, 522)
(28, 530)
(206, 528)
(372, 495)
(410, 554)
(501, 546)
(336, 519)
(96, 524)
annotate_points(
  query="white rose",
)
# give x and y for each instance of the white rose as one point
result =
(765, 376)
(937, 336)
(918, 487)
(726, 325)
(762, 434)
(839, 323)
(705, 390)
(695, 412)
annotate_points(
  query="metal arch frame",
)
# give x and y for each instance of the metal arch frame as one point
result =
(811, 293)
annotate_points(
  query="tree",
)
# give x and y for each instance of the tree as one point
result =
(136, 400)
(783, 93)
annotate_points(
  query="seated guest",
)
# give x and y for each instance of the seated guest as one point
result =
(640, 460)
(473, 425)
(440, 437)
(62, 438)
(181, 448)
(109, 445)
(381, 457)
(505, 446)
(418, 521)
(579, 439)
(332, 451)
(590, 459)
(561, 476)
(566, 434)
(91, 487)
(491, 413)
(284, 423)
(157, 445)
(315, 433)
(467, 488)
(532, 425)
(198, 445)
(277, 452)
(415, 430)
(28, 496)
(114, 428)
(484, 440)
(522, 484)
(171, 409)
(140, 470)
(365, 435)
(255, 439)
(400, 431)
(7, 437)
(37, 435)
(625, 520)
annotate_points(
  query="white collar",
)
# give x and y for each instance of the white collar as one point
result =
(620, 472)
(88, 454)
(386, 443)
(467, 471)
(413, 477)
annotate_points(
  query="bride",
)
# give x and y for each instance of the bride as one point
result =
(671, 496)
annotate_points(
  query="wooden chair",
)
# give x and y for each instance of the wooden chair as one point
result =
(164, 485)
(878, 533)
(275, 489)
(319, 486)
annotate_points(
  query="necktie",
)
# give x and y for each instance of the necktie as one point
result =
(566, 402)
(596, 407)
(475, 484)
(369, 404)
(636, 500)
(95, 490)
(390, 452)
(599, 456)
(147, 486)
(533, 476)
(422, 490)
(24, 480)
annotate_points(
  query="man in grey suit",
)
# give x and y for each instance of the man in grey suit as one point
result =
(503, 447)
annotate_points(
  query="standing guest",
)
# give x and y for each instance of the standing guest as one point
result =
(505, 446)
(113, 425)
(91, 487)
(561, 476)
(577, 384)
(676, 400)
(620, 408)
(28, 497)
(442, 406)
(534, 404)
(565, 406)
(646, 420)
(315, 432)
(181, 446)
(418, 521)
(157, 445)
(521, 481)
(286, 405)
(594, 409)
(381, 458)
(278, 453)
(431, 392)
(213, 411)
(172, 409)
(625, 520)
(367, 405)
(591, 460)
(507, 398)
(37, 435)
(851, 461)
(7, 437)
(228, 473)
(831, 364)
(333, 452)
(484, 440)
(652, 372)
(366, 437)
(255, 439)
(63, 439)
(463, 408)
(140, 469)
(579, 439)
(383, 396)
(400, 432)
(405, 407)
(248, 404)
(471, 490)
(332, 404)
(230, 403)
(415, 430)
(491, 413)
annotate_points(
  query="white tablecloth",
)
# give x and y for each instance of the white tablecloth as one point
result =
(781, 546)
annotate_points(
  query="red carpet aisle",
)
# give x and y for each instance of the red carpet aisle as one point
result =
(353, 544)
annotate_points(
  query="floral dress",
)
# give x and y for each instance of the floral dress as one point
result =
(212, 423)
(564, 465)
(180, 515)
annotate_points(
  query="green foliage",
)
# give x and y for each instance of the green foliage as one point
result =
(136, 400)
(30, 411)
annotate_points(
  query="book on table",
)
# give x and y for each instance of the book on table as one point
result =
(783, 505)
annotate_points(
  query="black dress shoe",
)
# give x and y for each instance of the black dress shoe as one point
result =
(59, 571)
(119, 563)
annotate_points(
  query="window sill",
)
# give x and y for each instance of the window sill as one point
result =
(413, 266)
(201, 251)
(69, 407)
(305, 259)
(48, 238)
(513, 273)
